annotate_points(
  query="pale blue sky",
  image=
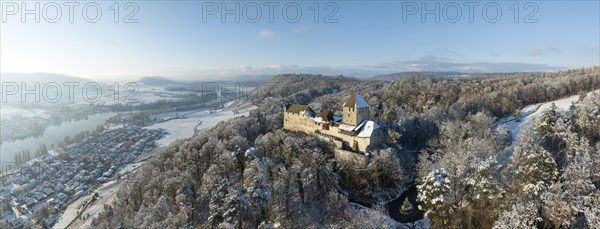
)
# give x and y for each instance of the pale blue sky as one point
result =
(370, 38)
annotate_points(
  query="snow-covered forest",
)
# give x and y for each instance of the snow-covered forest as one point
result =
(442, 136)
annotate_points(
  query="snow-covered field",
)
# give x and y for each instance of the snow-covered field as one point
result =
(188, 122)
(532, 112)
(142, 94)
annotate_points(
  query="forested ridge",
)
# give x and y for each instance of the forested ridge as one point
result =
(248, 173)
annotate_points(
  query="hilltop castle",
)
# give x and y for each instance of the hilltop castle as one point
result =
(353, 131)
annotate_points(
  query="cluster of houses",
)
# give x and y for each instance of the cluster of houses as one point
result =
(57, 180)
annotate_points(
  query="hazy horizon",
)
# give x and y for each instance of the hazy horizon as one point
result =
(364, 75)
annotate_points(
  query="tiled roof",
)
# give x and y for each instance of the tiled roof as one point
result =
(296, 108)
(326, 115)
(355, 100)
(300, 109)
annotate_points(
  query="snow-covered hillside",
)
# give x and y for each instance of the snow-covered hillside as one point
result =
(532, 112)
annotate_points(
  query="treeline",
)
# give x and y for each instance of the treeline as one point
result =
(22, 157)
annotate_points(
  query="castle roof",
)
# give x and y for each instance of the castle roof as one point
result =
(364, 129)
(356, 101)
(368, 128)
(326, 115)
(300, 109)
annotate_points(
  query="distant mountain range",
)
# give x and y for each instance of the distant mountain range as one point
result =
(426, 74)
(158, 81)
(40, 78)
(147, 80)
(164, 81)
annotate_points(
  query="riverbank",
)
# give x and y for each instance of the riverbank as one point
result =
(52, 136)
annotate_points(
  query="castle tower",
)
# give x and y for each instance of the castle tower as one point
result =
(355, 110)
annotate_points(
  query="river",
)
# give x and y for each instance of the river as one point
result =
(52, 136)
